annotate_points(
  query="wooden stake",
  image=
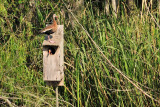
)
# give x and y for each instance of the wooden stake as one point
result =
(57, 105)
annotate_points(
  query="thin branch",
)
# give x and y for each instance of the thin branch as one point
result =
(6, 100)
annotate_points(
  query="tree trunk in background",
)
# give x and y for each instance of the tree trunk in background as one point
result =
(107, 7)
(114, 6)
(131, 6)
(130, 3)
(77, 7)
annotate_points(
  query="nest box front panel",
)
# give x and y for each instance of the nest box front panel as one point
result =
(51, 63)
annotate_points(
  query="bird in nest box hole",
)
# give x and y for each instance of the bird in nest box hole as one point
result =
(50, 28)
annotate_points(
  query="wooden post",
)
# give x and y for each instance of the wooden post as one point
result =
(57, 104)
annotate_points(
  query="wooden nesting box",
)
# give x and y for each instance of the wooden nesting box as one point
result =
(53, 57)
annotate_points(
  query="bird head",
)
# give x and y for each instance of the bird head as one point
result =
(54, 16)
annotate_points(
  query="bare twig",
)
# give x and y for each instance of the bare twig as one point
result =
(6, 100)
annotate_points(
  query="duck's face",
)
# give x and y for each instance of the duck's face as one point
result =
(54, 16)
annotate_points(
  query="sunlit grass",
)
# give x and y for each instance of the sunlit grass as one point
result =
(130, 43)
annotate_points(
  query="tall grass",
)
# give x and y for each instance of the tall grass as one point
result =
(131, 43)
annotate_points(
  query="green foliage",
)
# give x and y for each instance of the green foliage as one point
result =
(130, 43)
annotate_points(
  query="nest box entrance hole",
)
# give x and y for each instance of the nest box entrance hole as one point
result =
(52, 50)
